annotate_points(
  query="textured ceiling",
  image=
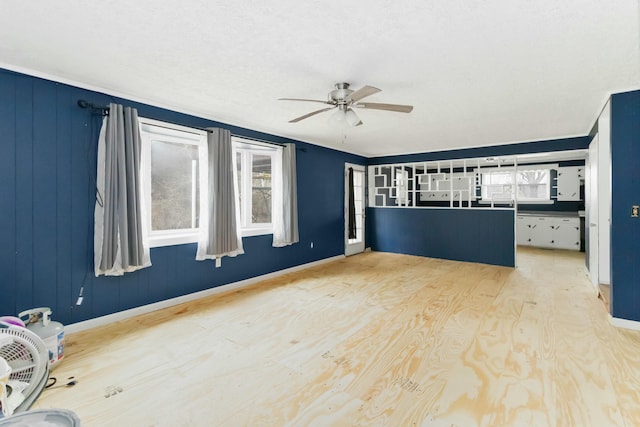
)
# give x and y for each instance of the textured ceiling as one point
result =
(478, 73)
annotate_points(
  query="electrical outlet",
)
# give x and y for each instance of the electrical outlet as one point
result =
(635, 211)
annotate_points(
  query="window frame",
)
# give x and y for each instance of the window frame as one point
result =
(401, 181)
(515, 186)
(247, 149)
(175, 134)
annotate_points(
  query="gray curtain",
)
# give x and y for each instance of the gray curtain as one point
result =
(351, 207)
(118, 233)
(285, 221)
(220, 236)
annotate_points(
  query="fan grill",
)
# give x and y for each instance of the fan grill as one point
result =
(21, 360)
(25, 353)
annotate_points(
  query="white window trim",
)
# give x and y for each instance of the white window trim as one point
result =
(402, 186)
(520, 168)
(240, 144)
(182, 135)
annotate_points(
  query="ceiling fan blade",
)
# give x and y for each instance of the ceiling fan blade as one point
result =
(313, 113)
(361, 93)
(301, 99)
(387, 107)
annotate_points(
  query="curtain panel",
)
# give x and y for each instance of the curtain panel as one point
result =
(351, 207)
(219, 225)
(119, 243)
(285, 202)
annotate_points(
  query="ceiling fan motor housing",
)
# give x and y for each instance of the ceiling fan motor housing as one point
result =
(338, 95)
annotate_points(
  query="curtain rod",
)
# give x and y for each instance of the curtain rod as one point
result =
(257, 140)
(280, 144)
(104, 110)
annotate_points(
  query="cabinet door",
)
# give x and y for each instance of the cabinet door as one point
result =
(523, 231)
(566, 233)
(541, 232)
(568, 183)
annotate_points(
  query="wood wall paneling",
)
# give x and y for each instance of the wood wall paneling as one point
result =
(48, 196)
(625, 183)
(8, 214)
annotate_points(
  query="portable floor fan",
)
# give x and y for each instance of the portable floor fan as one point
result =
(345, 100)
(27, 359)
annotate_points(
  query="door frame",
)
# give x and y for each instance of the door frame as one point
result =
(591, 214)
(358, 247)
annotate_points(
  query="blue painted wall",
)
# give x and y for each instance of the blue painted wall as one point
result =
(625, 184)
(576, 143)
(47, 190)
(475, 235)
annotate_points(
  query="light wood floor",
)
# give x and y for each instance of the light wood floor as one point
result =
(372, 340)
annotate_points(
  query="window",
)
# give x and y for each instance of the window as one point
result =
(173, 167)
(402, 186)
(174, 181)
(532, 184)
(255, 173)
(497, 186)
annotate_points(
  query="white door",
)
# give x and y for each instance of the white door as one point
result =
(355, 244)
(591, 220)
(604, 195)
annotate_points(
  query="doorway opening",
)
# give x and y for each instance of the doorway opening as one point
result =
(354, 224)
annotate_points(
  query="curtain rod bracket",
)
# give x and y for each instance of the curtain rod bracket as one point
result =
(103, 111)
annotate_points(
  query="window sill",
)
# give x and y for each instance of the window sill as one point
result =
(186, 238)
(172, 240)
(535, 202)
(249, 232)
(520, 202)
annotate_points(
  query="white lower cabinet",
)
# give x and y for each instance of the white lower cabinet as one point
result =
(566, 233)
(548, 231)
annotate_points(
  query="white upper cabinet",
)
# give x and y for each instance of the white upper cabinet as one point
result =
(569, 183)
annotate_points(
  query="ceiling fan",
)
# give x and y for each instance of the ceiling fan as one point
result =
(345, 99)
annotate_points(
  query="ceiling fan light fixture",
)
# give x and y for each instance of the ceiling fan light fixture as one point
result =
(352, 118)
(337, 117)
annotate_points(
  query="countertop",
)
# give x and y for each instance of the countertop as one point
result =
(567, 214)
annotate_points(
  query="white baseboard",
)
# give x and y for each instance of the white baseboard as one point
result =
(122, 315)
(625, 323)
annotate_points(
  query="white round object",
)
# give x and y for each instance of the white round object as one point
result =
(27, 356)
(42, 418)
(5, 373)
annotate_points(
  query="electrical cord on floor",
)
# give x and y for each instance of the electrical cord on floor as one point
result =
(71, 381)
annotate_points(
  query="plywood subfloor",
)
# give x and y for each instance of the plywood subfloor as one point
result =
(371, 340)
